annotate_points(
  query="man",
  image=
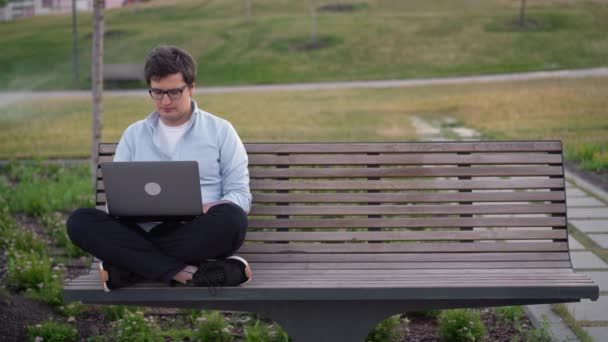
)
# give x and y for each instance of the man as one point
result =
(197, 252)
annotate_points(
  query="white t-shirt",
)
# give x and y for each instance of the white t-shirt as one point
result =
(170, 135)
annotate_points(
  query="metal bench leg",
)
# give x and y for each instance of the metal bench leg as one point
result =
(326, 321)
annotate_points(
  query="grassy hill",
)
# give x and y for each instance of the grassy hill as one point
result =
(380, 39)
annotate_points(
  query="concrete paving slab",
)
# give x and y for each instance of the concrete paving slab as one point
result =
(576, 193)
(600, 239)
(574, 245)
(598, 334)
(558, 330)
(588, 213)
(590, 226)
(584, 202)
(583, 184)
(600, 278)
(587, 310)
(587, 260)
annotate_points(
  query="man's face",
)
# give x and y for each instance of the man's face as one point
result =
(174, 108)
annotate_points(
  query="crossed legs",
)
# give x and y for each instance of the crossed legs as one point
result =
(167, 249)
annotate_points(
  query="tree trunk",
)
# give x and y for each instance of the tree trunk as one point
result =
(75, 45)
(522, 14)
(313, 22)
(248, 10)
(97, 83)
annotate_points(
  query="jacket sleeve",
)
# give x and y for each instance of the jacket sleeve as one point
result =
(234, 169)
(124, 151)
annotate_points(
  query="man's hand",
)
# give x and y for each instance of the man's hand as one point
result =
(206, 207)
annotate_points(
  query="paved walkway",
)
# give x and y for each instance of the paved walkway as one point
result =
(9, 97)
(587, 214)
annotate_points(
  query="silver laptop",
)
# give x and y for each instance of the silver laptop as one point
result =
(153, 191)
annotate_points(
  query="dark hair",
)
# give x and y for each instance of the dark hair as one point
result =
(166, 60)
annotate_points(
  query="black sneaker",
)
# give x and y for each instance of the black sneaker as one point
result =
(113, 278)
(232, 271)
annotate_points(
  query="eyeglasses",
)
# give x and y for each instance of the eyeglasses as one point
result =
(174, 94)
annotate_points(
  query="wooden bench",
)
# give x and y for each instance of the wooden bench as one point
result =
(123, 72)
(343, 235)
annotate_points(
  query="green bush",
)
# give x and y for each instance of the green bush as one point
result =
(386, 331)
(133, 326)
(538, 334)
(213, 328)
(52, 331)
(71, 310)
(461, 325)
(192, 315)
(27, 270)
(511, 315)
(592, 157)
(116, 312)
(260, 332)
(56, 228)
(48, 292)
(43, 188)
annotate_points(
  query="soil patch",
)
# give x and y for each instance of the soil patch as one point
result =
(17, 312)
(425, 329)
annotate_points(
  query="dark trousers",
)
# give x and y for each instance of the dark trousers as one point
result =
(164, 251)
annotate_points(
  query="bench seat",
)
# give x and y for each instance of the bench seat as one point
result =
(343, 235)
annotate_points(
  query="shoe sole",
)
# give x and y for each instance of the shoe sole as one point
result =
(103, 277)
(248, 272)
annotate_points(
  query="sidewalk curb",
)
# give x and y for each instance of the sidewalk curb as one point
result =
(558, 330)
(585, 185)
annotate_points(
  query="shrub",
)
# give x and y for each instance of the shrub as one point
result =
(52, 331)
(213, 328)
(27, 270)
(116, 312)
(510, 315)
(133, 326)
(593, 157)
(71, 310)
(461, 325)
(43, 188)
(538, 334)
(48, 292)
(260, 332)
(55, 226)
(192, 315)
(386, 331)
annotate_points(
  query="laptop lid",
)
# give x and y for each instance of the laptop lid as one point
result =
(153, 190)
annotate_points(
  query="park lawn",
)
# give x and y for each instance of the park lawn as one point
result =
(572, 110)
(382, 39)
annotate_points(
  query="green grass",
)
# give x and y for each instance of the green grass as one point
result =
(572, 110)
(384, 39)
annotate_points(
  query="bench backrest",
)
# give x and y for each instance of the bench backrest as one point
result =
(404, 205)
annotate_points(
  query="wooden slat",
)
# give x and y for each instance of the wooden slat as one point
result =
(483, 146)
(408, 209)
(400, 197)
(423, 247)
(107, 148)
(417, 266)
(410, 197)
(409, 235)
(432, 222)
(446, 258)
(403, 159)
(435, 184)
(348, 172)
